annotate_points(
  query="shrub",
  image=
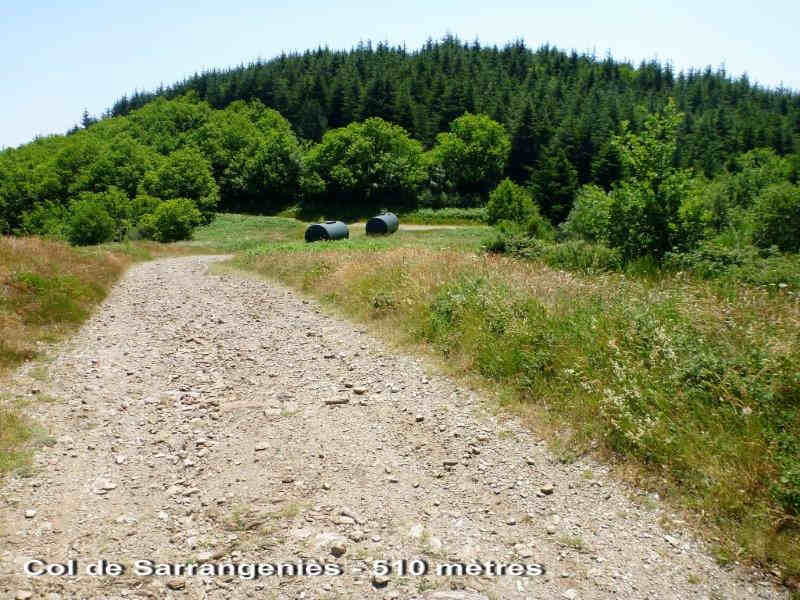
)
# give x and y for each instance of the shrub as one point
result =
(508, 237)
(142, 205)
(509, 202)
(473, 154)
(643, 217)
(89, 222)
(439, 199)
(172, 220)
(590, 215)
(538, 226)
(644, 220)
(371, 163)
(575, 255)
(739, 264)
(185, 173)
(776, 216)
(702, 212)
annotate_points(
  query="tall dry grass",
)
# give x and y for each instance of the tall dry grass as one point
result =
(47, 289)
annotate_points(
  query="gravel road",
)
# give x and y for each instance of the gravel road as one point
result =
(223, 421)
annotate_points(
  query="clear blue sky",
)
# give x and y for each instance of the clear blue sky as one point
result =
(58, 59)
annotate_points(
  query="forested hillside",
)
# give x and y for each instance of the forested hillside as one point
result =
(554, 146)
(555, 104)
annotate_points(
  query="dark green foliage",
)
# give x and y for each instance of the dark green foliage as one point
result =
(472, 154)
(89, 222)
(776, 217)
(171, 221)
(551, 120)
(583, 98)
(446, 216)
(526, 140)
(554, 183)
(185, 173)
(255, 157)
(366, 166)
(509, 202)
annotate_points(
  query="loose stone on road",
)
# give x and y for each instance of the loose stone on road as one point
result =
(220, 419)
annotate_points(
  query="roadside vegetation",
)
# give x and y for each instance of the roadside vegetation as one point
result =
(693, 384)
(16, 434)
(48, 288)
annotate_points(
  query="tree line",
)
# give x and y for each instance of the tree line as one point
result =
(561, 109)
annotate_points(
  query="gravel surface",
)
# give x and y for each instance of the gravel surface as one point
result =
(221, 420)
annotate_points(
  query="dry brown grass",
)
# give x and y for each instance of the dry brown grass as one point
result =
(47, 289)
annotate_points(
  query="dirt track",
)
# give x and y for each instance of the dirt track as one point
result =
(219, 419)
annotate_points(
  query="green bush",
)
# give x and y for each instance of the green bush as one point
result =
(509, 202)
(142, 205)
(89, 222)
(434, 198)
(643, 216)
(739, 264)
(701, 214)
(172, 220)
(185, 173)
(776, 217)
(507, 237)
(574, 255)
(372, 163)
(590, 215)
(473, 154)
(537, 226)
(644, 220)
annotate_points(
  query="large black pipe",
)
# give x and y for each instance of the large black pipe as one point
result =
(383, 224)
(329, 230)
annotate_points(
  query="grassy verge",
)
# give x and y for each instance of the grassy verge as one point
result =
(16, 433)
(47, 289)
(697, 390)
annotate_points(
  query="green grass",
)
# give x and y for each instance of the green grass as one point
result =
(236, 233)
(261, 235)
(16, 433)
(446, 216)
(462, 239)
(697, 390)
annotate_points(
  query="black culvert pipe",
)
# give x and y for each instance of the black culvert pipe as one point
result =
(328, 230)
(383, 224)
